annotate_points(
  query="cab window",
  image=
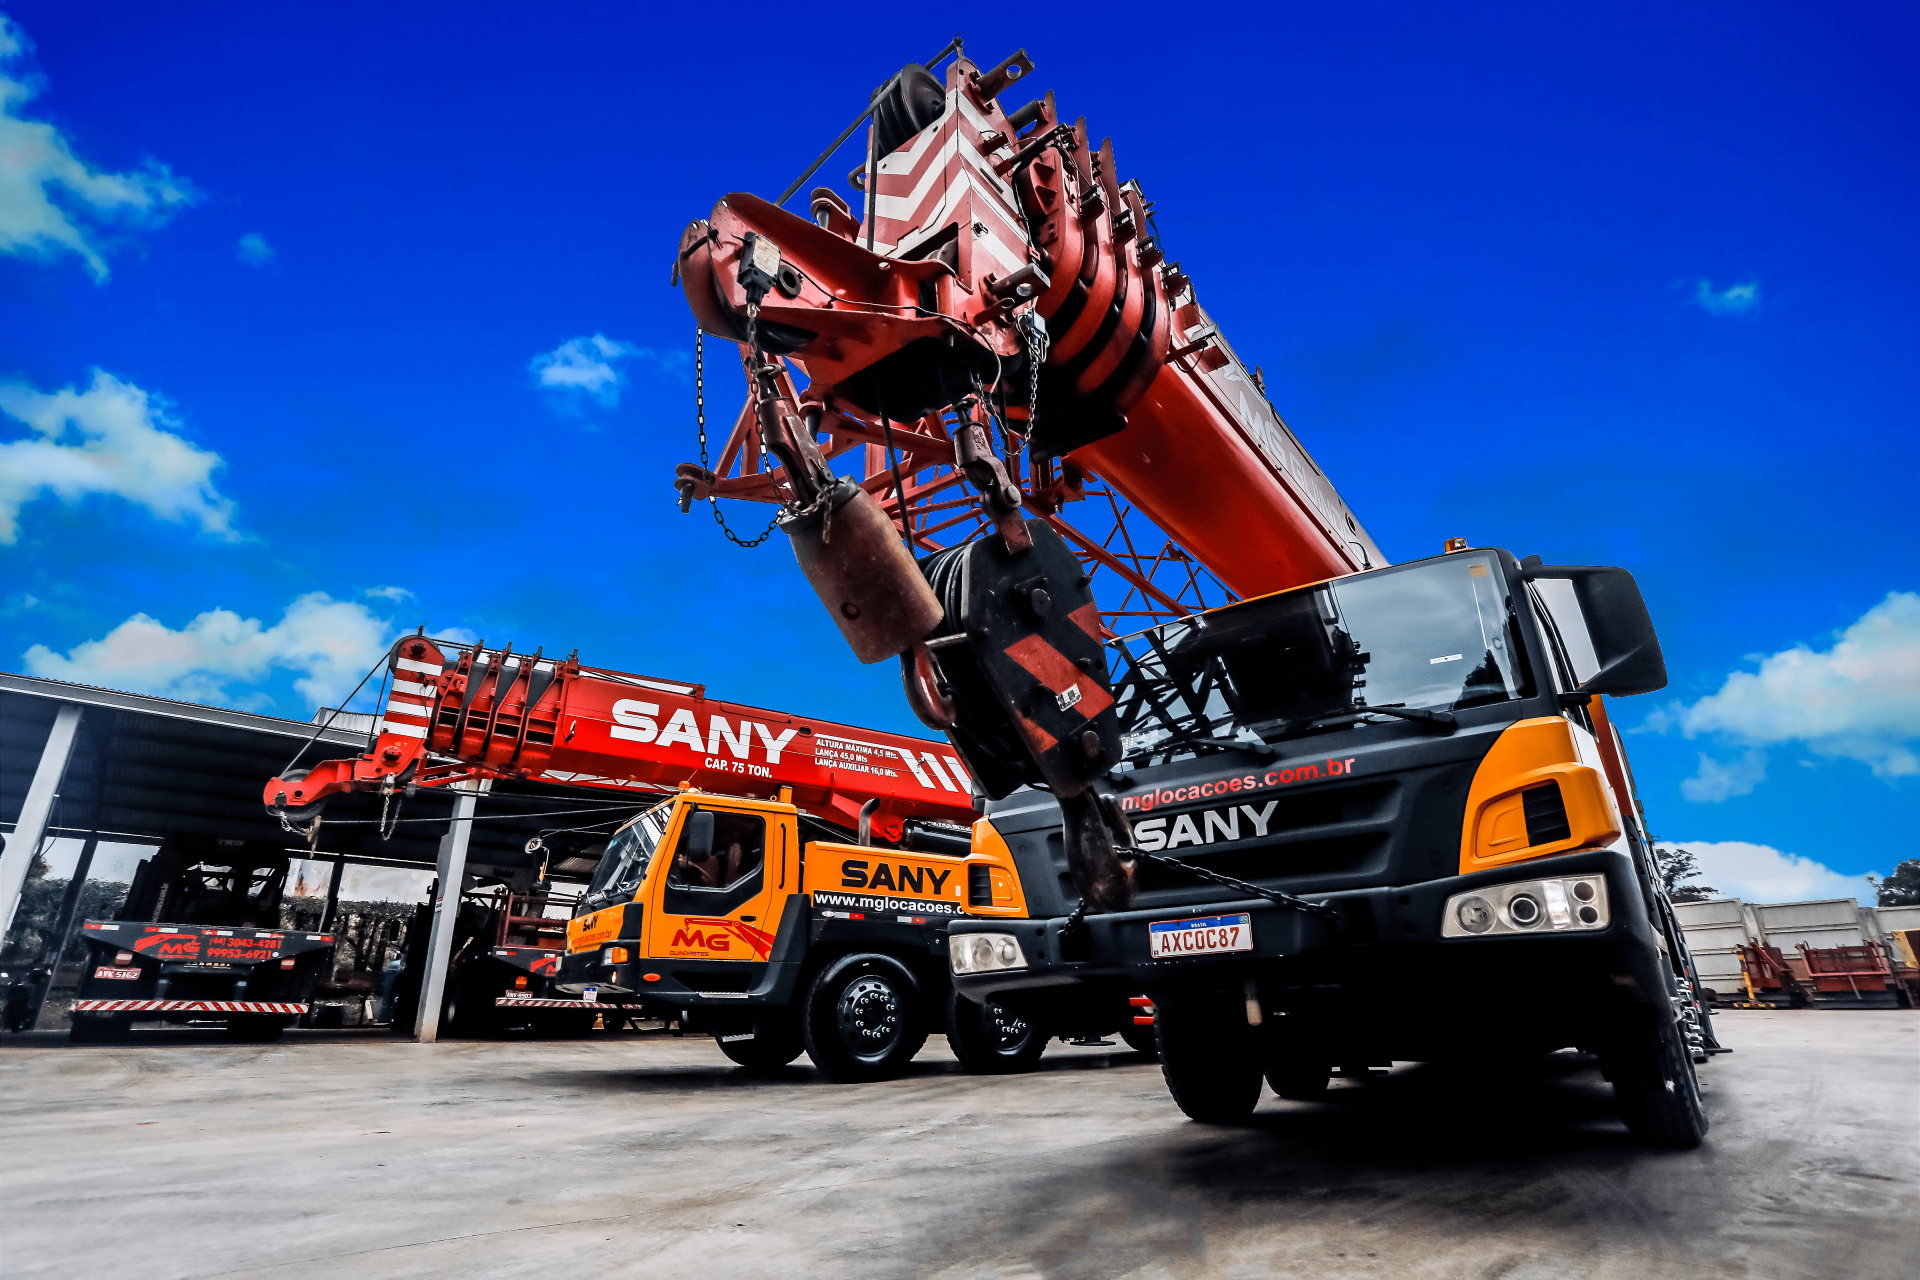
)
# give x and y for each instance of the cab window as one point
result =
(624, 864)
(722, 880)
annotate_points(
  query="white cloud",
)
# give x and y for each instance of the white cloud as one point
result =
(1762, 873)
(395, 594)
(51, 201)
(123, 448)
(253, 249)
(585, 367)
(1714, 781)
(1859, 700)
(582, 369)
(1741, 299)
(331, 643)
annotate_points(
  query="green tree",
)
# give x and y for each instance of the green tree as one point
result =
(1677, 866)
(1902, 888)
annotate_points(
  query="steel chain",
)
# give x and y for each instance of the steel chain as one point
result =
(1274, 896)
(700, 414)
(1035, 354)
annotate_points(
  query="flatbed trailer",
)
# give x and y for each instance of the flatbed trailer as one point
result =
(196, 941)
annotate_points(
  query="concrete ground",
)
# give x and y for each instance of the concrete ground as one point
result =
(353, 1156)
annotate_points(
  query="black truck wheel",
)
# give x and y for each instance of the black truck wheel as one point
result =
(1141, 1040)
(1208, 1056)
(254, 1028)
(99, 1028)
(1299, 1077)
(474, 1012)
(1653, 1081)
(863, 1019)
(776, 1042)
(989, 1041)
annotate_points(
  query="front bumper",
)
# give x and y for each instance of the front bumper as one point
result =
(1389, 939)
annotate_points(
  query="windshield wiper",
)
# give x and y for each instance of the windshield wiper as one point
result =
(1194, 740)
(1398, 709)
(1405, 712)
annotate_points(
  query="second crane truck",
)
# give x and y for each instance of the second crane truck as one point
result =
(789, 890)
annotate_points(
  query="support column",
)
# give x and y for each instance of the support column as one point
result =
(24, 843)
(63, 929)
(333, 893)
(452, 871)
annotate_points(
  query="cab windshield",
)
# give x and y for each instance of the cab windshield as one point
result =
(1440, 636)
(624, 864)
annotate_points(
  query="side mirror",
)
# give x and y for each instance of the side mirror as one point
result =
(700, 834)
(1626, 650)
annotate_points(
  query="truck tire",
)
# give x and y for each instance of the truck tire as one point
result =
(776, 1042)
(1208, 1056)
(863, 1019)
(474, 1013)
(1298, 1077)
(254, 1028)
(989, 1041)
(1141, 1040)
(1654, 1083)
(95, 1028)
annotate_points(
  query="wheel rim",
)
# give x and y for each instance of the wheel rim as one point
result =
(869, 1017)
(1006, 1033)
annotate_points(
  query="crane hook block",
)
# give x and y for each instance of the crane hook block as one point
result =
(852, 556)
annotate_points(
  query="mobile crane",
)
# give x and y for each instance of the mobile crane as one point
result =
(1265, 815)
(771, 941)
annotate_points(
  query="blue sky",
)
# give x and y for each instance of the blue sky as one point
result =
(320, 322)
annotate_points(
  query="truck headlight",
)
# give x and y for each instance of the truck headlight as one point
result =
(1564, 904)
(1473, 913)
(984, 952)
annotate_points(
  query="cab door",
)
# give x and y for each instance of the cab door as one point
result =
(712, 898)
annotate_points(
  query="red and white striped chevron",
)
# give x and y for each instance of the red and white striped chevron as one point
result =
(410, 705)
(515, 1002)
(942, 178)
(186, 1006)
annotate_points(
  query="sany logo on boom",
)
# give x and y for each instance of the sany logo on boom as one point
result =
(636, 723)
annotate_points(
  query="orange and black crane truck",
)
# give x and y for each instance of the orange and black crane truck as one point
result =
(1368, 812)
(806, 877)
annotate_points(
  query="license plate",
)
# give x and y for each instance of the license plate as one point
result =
(591, 993)
(516, 995)
(1210, 935)
(122, 975)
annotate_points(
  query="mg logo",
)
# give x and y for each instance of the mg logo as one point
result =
(711, 934)
(702, 940)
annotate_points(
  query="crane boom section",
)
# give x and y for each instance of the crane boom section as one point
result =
(1004, 277)
(480, 713)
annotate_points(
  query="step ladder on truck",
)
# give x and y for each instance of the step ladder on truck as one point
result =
(1261, 815)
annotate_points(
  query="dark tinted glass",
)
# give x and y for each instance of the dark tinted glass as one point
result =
(1441, 637)
(739, 847)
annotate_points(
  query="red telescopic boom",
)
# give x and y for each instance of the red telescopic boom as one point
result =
(480, 713)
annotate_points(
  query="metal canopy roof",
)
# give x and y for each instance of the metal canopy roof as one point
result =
(144, 768)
